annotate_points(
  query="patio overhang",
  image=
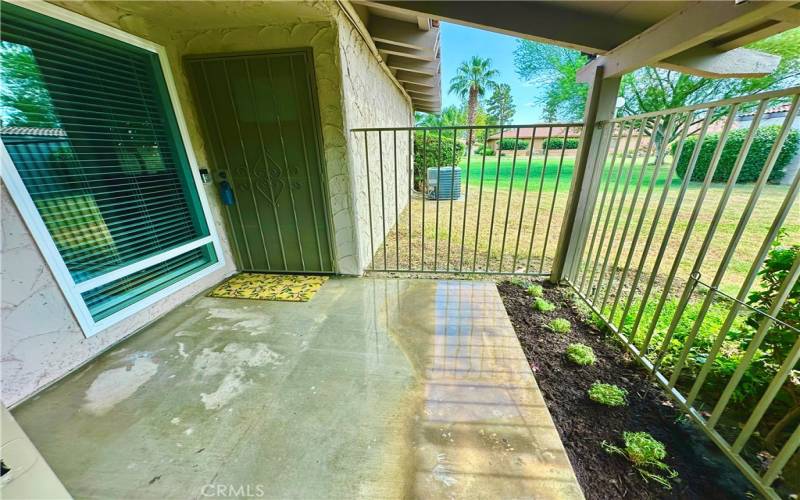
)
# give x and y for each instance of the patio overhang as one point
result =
(408, 44)
(699, 38)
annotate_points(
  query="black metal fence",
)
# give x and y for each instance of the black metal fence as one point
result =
(474, 200)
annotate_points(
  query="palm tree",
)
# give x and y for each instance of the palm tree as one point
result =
(472, 79)
(450, 116)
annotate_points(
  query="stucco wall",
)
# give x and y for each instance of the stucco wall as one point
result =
(41, 340)
(372, 100)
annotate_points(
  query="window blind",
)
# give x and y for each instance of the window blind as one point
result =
(89, 126)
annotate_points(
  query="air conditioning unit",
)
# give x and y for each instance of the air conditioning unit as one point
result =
(444, 183)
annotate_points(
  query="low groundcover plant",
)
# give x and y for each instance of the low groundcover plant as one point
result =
(543, 305)
(646, 454)
(559, 325)
(580, 354)
(535, 291)
(522, 283)
(608, 394)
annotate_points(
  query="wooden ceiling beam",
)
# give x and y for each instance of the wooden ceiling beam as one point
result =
(691, 26)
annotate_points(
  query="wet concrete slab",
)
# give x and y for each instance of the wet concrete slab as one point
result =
(375, 389)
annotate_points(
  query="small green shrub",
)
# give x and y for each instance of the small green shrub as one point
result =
(725, 363)
(558, 143)
(580, 354)
(756, 157)
(781, 337)
(511, 144)
(543, 305)
(487, 151)
(560, 325)
(608, 394)
(522, 283)
(536, 290)
(427, 152)
(647, 455)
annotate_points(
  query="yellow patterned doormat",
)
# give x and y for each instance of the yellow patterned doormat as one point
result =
(285, 287)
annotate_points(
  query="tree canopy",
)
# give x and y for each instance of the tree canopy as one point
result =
(554, 69)
(500, 106)
(472, 79)
(647, 89)
(24, 98)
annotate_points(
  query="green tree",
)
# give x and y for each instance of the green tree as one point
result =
(554, 68)
(450, 116)
(500, 106)
(472, 79)
(649, 89)
(24, 98)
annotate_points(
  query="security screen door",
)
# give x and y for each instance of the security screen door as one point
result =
(260, 121)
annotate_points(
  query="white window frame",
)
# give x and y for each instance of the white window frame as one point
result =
(72, 290)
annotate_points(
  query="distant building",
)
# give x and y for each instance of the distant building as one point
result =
(537, 134)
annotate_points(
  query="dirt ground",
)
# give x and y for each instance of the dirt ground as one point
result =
(506, 233)
(703, 472)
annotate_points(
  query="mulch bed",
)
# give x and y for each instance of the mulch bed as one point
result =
(583, 424)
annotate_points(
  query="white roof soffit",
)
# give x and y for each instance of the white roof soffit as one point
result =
(704, 38)
(409, 45)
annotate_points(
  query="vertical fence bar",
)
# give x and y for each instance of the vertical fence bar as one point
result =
(452, 186)
(782, 457)
(383, 200)
(369, 203)
(766, 244)
(734, 242)
(654, 226)
(687, 176)
(438, 195)
(555, 193)
(524, 197)
(602, 205)
(480, 199)
(466, 199)
(494, 197)
(424, 191)
(613, 234)
(792, 358)
(639, 182)
(695, 273)
(661, 155)
(396, 206)
(744, 363)
(410, 192)
(602, 240)
(508, 204)
(538, 200)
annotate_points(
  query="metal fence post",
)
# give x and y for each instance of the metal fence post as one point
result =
(600, 105)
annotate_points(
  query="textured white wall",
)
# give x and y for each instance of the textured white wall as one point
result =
(41, 340)
(372, 101)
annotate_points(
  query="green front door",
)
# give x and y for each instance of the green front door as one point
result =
(260, 121)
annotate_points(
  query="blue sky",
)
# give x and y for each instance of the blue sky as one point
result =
(460, 43)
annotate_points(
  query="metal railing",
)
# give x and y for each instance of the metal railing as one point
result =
(502, 217)
(654, 236)
(668, 254)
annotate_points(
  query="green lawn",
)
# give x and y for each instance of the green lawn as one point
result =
(487, 167)
(508, 228)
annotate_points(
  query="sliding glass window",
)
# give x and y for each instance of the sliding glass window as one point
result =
(90, 129)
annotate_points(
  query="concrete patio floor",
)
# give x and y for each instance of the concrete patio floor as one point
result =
(375, 388)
